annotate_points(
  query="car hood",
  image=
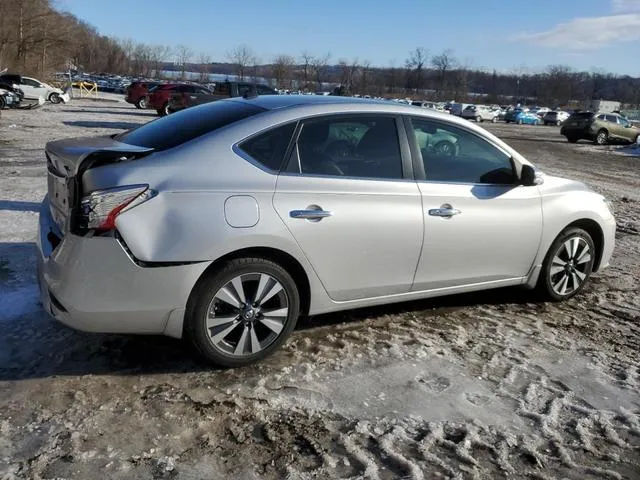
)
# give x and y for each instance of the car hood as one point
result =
(556, 185)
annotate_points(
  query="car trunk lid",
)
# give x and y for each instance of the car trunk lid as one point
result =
(66, 162)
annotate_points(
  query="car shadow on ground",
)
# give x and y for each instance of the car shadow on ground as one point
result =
(18, 206)
(93, 124)
(136, 112)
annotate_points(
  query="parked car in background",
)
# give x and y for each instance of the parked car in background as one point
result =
(11, 97)
(191, 95)
(136, 93)
(34, 89)
(159, 96)
(457, 108)
(528, 118)
(511, 114)
(8, 99)
(480, 113)
(555, 117)
(601, 128)
(540, 111)
(229, 220)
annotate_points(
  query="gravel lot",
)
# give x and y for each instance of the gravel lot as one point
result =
(487, 385)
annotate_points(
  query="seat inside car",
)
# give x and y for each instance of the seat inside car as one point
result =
(379, 146)
(311, 144)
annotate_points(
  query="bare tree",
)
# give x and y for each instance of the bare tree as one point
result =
(159, 54)
(305, 75)
(183, 55)
(204, 60)
(319, 67)
(364, 78)
(416, 64)
(348, 74)
(282, 70)
(242, 57)
(443, 63)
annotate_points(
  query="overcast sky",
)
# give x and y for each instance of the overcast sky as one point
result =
(501, 34)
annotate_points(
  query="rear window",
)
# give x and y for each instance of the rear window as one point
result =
(185, 125)
(582, 115)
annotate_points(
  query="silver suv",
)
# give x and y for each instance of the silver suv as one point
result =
(480, 113)
(224, 222)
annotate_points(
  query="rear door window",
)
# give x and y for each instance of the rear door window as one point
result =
(185, 125)
(362, 146)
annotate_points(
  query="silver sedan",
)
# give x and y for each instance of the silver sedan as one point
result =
(225, 222)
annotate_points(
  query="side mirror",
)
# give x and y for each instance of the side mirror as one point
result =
(528, 176)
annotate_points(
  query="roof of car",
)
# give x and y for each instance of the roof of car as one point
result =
(271, 102)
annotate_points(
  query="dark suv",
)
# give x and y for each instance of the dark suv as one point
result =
(600, 128)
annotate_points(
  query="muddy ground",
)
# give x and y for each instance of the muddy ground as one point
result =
(489, 385)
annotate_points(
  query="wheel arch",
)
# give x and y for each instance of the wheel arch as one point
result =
(595, 232)
(282, 258)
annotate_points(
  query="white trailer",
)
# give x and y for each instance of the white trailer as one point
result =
(603, 106)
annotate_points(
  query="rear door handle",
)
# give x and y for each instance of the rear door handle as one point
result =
(444, 211)
(310, 214)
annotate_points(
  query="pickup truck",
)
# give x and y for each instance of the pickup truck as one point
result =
(182, 100)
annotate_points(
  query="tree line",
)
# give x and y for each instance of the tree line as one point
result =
(38, 39)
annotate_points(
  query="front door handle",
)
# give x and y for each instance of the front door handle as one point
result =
(446, 211)
(310, 214)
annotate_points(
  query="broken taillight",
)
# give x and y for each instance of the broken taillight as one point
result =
(100, 209)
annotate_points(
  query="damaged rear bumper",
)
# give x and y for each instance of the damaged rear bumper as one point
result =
(92, 284)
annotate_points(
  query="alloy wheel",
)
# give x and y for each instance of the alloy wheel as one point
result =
(602, 137)
(570, 266)
(247, 314)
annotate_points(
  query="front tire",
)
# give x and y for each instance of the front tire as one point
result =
(567, 265)
(478, 119)
(243, 312)
(55, 98)
(141, 104)
(164, 110)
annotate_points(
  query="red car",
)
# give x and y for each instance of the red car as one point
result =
(158, 97)
(137, 93)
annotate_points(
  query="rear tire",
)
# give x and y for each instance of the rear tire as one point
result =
(233, 329)
(3, 104)
(519, 122)
(567, 265)
(602, 137)
(478, 119)
(572, 139)
(141, 104)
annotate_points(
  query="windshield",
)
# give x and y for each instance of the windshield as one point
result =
(183, 126)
